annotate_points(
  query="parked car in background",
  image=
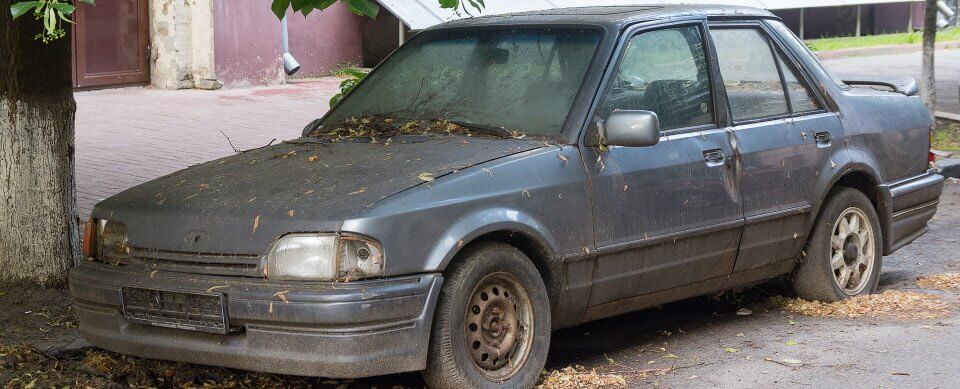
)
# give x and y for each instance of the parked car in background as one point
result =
(501, 177)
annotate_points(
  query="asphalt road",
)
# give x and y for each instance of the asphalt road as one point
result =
(947, 72)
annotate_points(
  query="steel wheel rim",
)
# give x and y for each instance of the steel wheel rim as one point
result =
(499, 326)
(852, 251)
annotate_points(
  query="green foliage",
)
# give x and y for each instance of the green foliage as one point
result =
(354, 76)
(360, 7)
(904, 38)
(50, 12)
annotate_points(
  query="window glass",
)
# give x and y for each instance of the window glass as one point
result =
(522, 79)
(664, 71)
(801, 97)
(749, 73)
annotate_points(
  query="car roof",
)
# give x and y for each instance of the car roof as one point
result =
(611, 16)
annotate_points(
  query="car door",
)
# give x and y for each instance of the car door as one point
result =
(666, 215)
(782, 134)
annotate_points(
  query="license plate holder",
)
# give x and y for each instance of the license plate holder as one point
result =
(192, 311)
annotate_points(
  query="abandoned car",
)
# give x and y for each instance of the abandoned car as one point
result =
(501, 177)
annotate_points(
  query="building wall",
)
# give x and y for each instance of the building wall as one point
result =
(842, 21)
(248, 42)
(181, 38)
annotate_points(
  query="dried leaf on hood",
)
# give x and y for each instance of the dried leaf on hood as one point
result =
(428, 177)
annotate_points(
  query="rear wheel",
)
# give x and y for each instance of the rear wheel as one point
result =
(844, 253)
(492, 324)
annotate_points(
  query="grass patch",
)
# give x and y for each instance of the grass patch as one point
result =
(946, 137)
(904, 38)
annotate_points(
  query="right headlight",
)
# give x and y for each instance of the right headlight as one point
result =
(324, 257)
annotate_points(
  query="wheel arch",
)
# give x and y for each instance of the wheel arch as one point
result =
(866, 180)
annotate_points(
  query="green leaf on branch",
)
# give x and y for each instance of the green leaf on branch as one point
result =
(21, 8)
(279, 8)
(363, 7)
(64, 8)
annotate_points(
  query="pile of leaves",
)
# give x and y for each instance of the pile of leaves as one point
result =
(894, 304)
(940, 281)
(578, 377)
(26, 366)
(378, 129)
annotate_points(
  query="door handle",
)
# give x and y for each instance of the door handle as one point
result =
(822, 138)
(713, 157)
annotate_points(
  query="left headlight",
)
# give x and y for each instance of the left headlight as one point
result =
(105, 240)
(324, 257)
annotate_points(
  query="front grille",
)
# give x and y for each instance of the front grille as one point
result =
(197, 263)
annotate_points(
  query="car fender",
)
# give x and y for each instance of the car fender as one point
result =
(485, 221)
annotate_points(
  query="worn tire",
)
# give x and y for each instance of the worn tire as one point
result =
(814, 278)
(449, 363)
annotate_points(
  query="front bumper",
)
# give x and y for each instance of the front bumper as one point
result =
(338, 330)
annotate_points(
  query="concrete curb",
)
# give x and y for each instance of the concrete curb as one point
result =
(881, 50)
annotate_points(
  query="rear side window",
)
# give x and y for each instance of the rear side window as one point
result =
(801, 97)
(664, 71)
(750, 74)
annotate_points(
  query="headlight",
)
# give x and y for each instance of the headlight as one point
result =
(105, 240)
(324, 257)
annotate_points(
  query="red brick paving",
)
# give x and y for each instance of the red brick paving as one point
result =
(131, 135)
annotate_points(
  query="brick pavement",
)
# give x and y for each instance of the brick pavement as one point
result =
(132, 135)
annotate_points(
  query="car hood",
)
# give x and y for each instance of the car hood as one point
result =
(242, 203)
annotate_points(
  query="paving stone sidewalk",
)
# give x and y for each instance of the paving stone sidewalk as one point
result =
(132, 135)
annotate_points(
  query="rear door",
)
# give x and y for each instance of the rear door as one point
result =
(666, 215)
(782, 135)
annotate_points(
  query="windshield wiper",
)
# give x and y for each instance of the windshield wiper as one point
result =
(499, 131)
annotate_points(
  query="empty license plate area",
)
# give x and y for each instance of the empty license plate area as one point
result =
(187, 311)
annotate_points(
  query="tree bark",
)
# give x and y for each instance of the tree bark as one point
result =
(39, 236)
(928, 86)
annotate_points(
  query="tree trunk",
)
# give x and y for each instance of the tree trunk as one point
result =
(928, 86)
(39, 239)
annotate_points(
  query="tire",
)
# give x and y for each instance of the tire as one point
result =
(508, 279)
(854, 257)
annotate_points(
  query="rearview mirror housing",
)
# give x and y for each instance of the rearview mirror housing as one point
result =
(631, 129)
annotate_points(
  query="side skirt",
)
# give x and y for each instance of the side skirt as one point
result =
(636, 303)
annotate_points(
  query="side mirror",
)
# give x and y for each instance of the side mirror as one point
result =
(631, 129)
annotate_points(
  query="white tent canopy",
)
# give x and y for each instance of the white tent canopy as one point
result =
(420, 14)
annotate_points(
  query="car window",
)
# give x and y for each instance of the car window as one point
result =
(664, 71)
(801, 97)
(754, 89)
(522, 79)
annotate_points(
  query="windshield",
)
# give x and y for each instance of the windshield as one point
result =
(518, 79)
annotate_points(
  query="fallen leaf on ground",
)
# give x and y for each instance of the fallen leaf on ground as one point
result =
(940, 281)
(427, 177)
(731, 350)
(744, 312)
(895, 304)
(580, 378)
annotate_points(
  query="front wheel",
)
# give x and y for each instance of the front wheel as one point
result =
(492, 324)
(844, 253)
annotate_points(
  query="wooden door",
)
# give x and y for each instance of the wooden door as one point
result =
(111, 43)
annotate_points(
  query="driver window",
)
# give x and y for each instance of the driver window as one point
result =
(664, 71)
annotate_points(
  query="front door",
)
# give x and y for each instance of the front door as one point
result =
(111, 43)
(782, 134)
(666, 215)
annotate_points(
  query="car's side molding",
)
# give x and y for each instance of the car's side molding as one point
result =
(486, 221)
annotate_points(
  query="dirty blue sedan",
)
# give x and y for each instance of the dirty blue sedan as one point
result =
(501, 177)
